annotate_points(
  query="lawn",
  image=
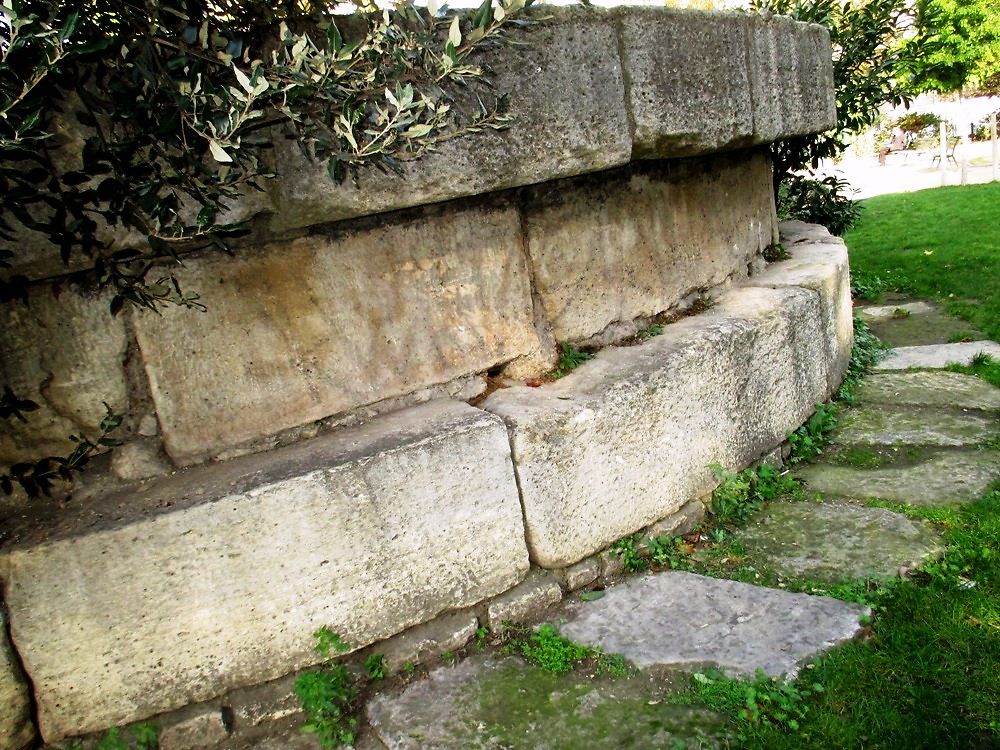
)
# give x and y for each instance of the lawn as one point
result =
(942, 244)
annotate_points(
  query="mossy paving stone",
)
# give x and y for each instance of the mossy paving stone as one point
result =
(924, 325)
(836, 542)
(501, 703)
(929, 388)
(882, 425)
(939, 478)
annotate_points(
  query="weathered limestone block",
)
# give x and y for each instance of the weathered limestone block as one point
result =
(16, 729)
(791, 78)
(526, 601)
(567, 98)
(821, 265)
(687, 80)
(626, 439)
(418, 645)
(302, 330)
(201, 727)
(636, 242)
(65, 353)
(217, 577)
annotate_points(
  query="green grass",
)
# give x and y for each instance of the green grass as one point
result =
(986, 368)
(927, 676)
(942, 243)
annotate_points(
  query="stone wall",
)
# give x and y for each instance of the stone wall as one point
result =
(353, 435)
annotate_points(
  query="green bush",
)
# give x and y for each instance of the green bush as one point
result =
(823, 201)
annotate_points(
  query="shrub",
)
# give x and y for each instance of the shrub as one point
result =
(819, 201)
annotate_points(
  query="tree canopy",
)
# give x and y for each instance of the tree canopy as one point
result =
(965, 49)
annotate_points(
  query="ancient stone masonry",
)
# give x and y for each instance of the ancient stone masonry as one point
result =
(319, 448)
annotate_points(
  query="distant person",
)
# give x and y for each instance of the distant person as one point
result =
(899, 142)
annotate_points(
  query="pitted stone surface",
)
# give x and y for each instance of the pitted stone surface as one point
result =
(819, 263)
(490, 703)
(683, 620)
(937, 355)
(604, 250)
(921, 388)
(873, 425)
(305, 329)
(942, 479)
(836, 542)
(626, 439)
(217, 577)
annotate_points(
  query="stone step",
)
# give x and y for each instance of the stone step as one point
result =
(627, 438)
(834, 542)
(936, 356)
(933, 478)
(677, 620)
(929, 388)
(498, 703)
(217, 577)
(882, 425)
(915, 323)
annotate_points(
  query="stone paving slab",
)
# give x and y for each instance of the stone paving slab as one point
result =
(682, 620)
(946, 478)
(501, 703)
(835, 542)
(905, 309)
(915, 323)
(924, 388)
(883, 426)
(936, 355)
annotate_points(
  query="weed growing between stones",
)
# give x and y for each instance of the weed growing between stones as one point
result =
(866, 352)
(740, 496)
(627, 549)
(546, 648)
(653, 329)
(569, 359)
(329, 694)
(775, 252)
(144, 736)
(375, 666)
(808, 441)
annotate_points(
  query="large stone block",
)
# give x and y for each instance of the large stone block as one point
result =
(65, 353)
(217, 577)
(16, 728)
(302, 330)
(791, 78)
(627, 438)
(636, 241)
(567, 98)
(687, 80)
(820, 265)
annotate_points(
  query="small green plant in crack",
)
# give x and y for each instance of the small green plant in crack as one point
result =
(375, 666)
(739, 496)
(653, 329)
(808, 441)
(569, 359)
(546, 648)
(961, 337)
(329, 694)
(761, 701)
(627, 549)
(671, 552)
(985, 367)
(866, 352)
(141, 737)
(482, 634)
(900, 313)
(775, 252)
